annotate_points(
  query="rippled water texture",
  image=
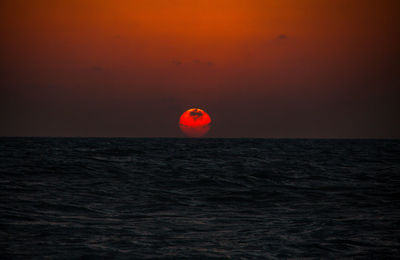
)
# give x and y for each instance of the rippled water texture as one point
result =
(238, 198)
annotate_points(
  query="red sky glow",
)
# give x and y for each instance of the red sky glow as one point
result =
(260, 68)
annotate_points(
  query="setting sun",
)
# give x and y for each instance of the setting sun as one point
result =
(195, 122)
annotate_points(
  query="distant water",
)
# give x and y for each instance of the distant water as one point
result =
(204, 198)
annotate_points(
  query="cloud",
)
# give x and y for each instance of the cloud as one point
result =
(279, 39)
(282, 37)
(176, 62)
(203, 63)
(195, 62)
(196, 113)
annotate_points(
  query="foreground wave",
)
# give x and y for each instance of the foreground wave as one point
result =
(212, 198)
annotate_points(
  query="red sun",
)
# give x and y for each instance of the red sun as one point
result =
(195, 122)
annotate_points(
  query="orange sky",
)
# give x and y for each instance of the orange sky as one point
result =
(259, 67)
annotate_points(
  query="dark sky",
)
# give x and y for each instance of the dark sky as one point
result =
(259, 68)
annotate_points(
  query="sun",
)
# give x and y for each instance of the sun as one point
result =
(195, 122)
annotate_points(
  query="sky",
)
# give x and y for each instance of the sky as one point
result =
(259, 68)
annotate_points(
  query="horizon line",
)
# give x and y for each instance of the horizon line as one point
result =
(246, 137)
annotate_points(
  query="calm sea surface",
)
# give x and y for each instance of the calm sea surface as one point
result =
(199, 198)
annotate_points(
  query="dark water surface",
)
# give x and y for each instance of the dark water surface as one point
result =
(222, 198)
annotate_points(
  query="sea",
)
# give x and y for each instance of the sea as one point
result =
(210, 198)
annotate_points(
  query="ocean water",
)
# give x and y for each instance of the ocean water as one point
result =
(125, 198)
